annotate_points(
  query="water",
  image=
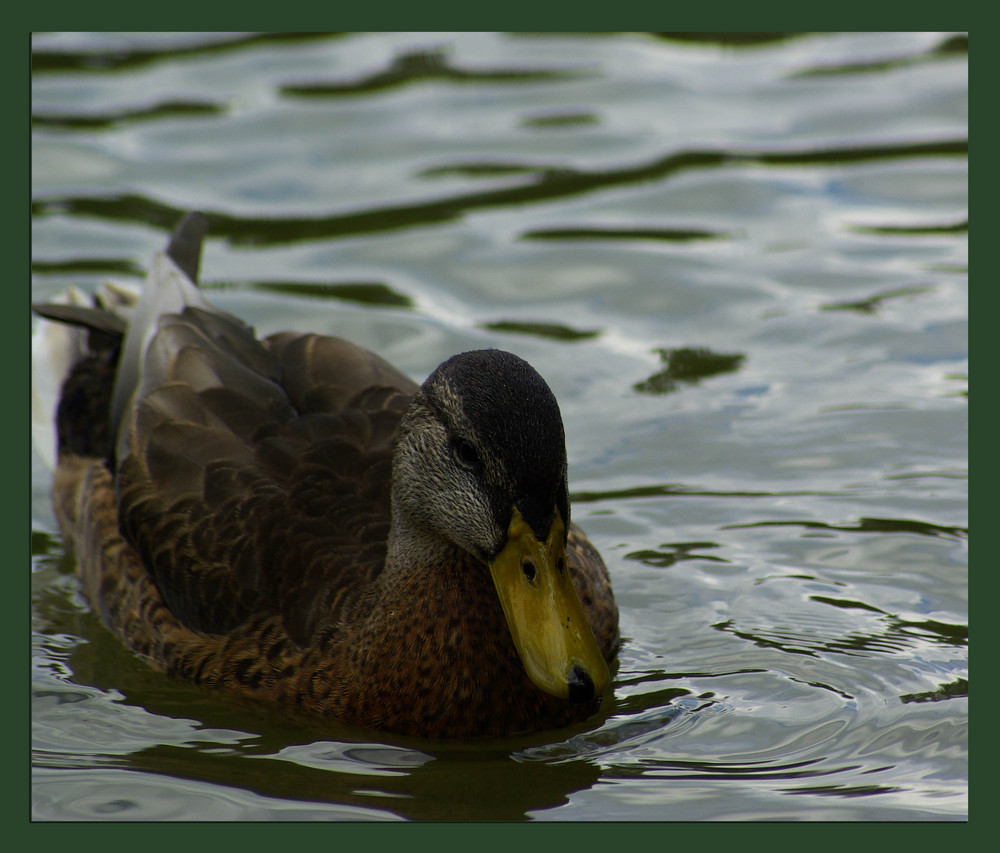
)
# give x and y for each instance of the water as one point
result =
(741, 266)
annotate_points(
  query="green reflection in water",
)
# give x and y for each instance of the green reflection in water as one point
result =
(688, 365)
(78, 266)
(560, 120)
(117, 60)
(672, 235)
(739, 39)
(867, 525)
(92, 121)
(366, 292)
(552, 331)
(954, 45)
(674, 552)
(953, 689)
(416, 66)
(547, 184)
(961, 227)
(873, 303)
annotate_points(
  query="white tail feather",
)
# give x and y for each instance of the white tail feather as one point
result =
(55, 349)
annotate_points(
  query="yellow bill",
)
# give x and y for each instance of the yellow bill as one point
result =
(548, 625)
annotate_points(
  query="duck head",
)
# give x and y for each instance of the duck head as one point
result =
(480, 466)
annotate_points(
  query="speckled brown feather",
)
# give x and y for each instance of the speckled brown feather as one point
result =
(410, 659)
(242, 544)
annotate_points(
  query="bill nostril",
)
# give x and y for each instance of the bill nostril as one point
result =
(529, 570)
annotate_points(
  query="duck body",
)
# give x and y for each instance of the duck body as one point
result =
(294, 521)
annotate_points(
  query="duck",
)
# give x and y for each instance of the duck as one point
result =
(291, 521)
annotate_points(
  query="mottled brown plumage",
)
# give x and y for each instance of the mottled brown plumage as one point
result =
(238, 523)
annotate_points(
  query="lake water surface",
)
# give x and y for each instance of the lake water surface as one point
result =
(741, 265)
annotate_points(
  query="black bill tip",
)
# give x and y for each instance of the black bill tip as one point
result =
(581, 685)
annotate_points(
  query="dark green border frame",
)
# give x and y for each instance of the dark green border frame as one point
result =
(16, 436)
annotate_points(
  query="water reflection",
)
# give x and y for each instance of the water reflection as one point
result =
(871, 304)
(373, 293)
(126, 58)
(870, 525)
(547, 184)
(952, 45)
(687, 365)
(441, 784)
(674, 552)
(957, 688)
(673, 235)
(551, 331)
(418, 66)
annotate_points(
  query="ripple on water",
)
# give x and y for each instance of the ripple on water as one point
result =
(135, 796)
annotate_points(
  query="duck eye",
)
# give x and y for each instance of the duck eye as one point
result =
(465, 452)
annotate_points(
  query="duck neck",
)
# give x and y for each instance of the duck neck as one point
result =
(440, 603)
(410, 545)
